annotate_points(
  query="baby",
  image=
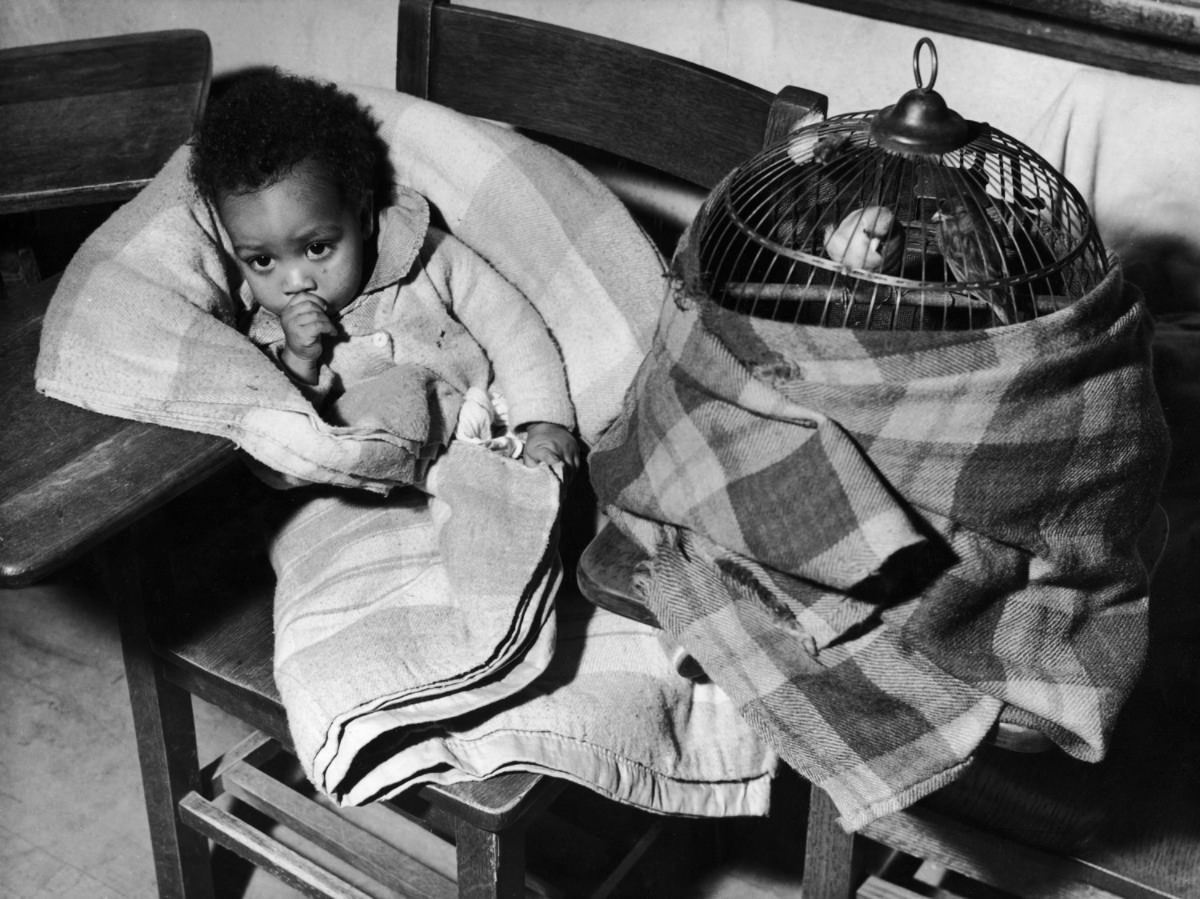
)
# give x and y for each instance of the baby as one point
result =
(383, 320)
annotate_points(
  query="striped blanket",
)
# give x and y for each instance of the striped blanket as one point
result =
(397, 612)
(878, 543)
(452, 680)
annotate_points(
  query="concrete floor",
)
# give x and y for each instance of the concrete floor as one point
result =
(72, 824)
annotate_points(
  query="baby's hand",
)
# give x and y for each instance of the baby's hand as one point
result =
(549, 443)
(305, 322)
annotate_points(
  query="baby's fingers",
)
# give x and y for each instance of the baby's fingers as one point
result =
(536, 453)
(319, 324)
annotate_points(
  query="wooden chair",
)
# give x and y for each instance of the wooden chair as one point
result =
(1042, 825)
(163, 505)
(601, 101)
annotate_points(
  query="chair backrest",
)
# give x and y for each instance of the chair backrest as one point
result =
(659, 130)
(92, 121)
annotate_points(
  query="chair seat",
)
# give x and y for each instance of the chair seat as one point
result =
(605, 574)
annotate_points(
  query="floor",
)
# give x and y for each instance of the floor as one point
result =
(71, 819)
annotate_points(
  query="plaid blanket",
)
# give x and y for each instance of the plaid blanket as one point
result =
(416, 635)
(143, 324)
(877, 543)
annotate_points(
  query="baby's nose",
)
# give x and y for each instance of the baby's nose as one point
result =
(298, 278)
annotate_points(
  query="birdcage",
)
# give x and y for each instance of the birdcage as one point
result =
(908, 218)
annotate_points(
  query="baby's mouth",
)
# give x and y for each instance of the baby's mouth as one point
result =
(309, 295)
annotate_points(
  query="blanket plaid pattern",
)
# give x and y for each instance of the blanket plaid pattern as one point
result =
(417, 638)
(877, 543)
(143, 324)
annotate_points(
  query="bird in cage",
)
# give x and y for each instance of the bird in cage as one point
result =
(810, 145)
(800, 209)
(870, 239)
(966, 240)
(829, 147)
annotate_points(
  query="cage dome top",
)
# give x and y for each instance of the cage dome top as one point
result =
(909, 217)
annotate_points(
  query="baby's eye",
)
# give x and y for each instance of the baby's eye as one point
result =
(319, 249)
(259, 263)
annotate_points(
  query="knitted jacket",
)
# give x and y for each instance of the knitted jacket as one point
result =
(434, 321)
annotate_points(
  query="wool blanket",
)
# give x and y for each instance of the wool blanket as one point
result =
(144, 323)
(878, 543)
(422, 607)
(568, 690)
(416, 633)
(417, 641)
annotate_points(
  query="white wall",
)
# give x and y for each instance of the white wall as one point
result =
(859, 63)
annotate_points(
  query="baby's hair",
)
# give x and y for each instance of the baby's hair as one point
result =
(267, 123)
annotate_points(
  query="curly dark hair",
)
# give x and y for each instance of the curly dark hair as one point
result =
(268, 122)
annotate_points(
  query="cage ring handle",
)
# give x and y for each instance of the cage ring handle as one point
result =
(933, 64)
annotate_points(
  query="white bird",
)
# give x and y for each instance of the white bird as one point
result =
(869, 239)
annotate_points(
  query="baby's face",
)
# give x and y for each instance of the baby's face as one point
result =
(298, 238)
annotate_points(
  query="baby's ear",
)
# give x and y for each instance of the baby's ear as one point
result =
(367, 216)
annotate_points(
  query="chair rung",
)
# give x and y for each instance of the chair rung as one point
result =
(255, 749)
(263, 851)
(875, 888)
(632, 857)
(383, 862)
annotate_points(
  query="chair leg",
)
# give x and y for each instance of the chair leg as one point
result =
(165, 730)
(490, 865)
(829, 854)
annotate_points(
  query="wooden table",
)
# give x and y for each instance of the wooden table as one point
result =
(70, 478)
